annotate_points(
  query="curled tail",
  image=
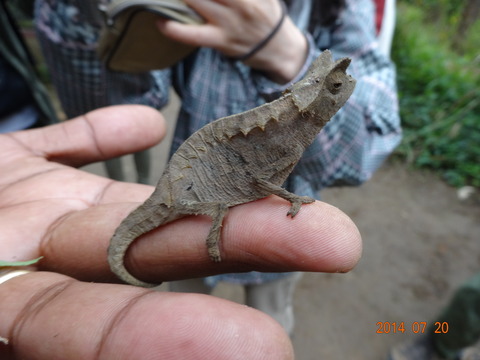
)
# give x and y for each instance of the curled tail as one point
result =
(145, 218)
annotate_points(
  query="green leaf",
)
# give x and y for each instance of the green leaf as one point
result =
(20, 263)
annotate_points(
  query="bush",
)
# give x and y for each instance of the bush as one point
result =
(439, 100)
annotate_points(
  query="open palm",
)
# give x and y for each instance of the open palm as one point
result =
(50, 209)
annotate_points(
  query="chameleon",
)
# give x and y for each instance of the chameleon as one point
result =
(238, 159)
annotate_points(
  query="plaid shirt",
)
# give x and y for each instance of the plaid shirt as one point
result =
(347, 151)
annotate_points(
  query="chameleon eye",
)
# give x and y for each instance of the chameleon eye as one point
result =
(335, 86)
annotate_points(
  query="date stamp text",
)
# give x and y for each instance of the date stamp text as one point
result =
(416, 327)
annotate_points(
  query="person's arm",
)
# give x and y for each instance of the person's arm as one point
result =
(235, 27)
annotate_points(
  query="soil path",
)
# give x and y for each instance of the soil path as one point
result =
(420, 244)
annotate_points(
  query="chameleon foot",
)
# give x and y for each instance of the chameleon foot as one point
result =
(295, 200)
(297, 203)
(214, 254)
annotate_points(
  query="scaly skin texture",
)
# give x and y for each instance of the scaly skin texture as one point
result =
(237, 159)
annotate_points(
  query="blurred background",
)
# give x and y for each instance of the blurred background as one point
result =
(420, 214)
(437, 52)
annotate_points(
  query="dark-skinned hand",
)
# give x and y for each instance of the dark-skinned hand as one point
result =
(66, 310)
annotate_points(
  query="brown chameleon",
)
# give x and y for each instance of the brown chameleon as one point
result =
(237, 159)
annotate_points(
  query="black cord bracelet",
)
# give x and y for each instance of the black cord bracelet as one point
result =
(265, 41)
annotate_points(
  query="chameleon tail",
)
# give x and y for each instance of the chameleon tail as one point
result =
(140, 221)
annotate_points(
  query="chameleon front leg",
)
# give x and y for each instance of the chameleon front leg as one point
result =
(295, 200)
(284, 165)
(217, 212)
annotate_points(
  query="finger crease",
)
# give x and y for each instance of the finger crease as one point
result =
(35, 305)
(115, 322)
(29, 177)
(49, 232)
(101, 194)
(91, 130)
(20, 143)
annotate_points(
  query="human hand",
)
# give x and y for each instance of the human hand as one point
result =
(234, 27)
(67, 216)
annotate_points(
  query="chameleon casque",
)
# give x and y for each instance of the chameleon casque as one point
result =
(237, 159)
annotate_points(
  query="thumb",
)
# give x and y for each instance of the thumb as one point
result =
(98, 135)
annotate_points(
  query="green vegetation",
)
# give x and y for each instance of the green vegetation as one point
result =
(439, 88)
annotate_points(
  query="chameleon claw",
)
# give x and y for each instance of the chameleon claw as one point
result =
(294, 209)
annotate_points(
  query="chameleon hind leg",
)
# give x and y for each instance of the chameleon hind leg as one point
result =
(217, 212)
(295, 200)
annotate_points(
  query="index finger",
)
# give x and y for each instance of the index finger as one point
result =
(255, 236)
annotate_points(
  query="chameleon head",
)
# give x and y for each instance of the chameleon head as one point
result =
(325, 88)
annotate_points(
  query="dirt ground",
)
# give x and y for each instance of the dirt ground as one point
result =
(420, 243)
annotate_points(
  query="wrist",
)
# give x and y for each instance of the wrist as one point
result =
(283, 57)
